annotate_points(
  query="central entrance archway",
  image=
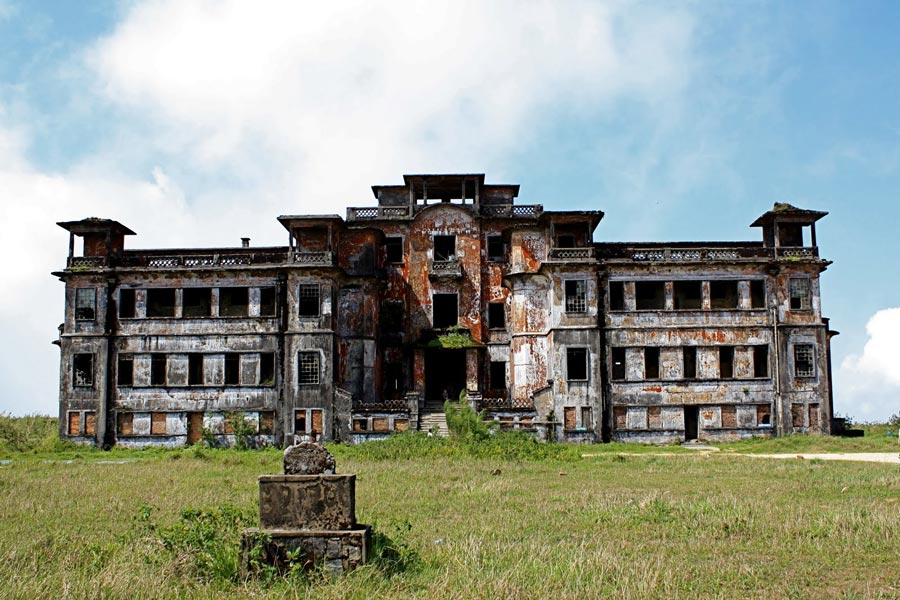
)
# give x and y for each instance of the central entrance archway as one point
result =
(445, 372)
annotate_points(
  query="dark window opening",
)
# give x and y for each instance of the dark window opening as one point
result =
(195, 369)
(308, 368)
(360, 424)
(125, 370)
(763, 414)
(616, 295)
(688, 295)
(267, 368)
(790, 234)
(757, 293)
(158, 366)
(393, 249)
(444, 247)
(267, 302)
(85, 304)
(650, 295)
(196, 302)
(393, 380)
(126, 304)
(308, 300)
(799, 289)
(651, 363)
(497, 375)
(618, 364)
(446, 310)
(576, 296)
(232, 369)
(760, 361)
(300, 423)
(576, 364)
(497, 315)
(234, 302)
(726, 362)
(83, 370)
(804, 360)
(565, 241)
(723, 294)
(689, 355)
(161, 303)
(496, 250)
(392, 317)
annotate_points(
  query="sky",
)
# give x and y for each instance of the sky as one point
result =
(196, 123)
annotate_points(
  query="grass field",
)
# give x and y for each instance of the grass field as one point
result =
(80, 523)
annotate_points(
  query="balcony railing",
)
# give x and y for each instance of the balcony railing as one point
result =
(377, 212)
(313, 259)
(697, 254)
(525, 211)
(504, 402)
(798, 252)
(384, 405)
(158, 261)
(445, 268)
(571, 255)
(86, 262)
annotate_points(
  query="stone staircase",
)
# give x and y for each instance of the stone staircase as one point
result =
(431, 416)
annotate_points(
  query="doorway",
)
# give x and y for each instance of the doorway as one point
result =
(691, 423)
(445, 371)
(195, 428)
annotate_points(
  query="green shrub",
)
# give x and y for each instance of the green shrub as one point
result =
(33, 433)
(464, 422)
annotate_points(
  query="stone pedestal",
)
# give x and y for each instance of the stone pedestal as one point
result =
(313, 513)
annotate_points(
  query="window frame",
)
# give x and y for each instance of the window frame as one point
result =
(614, 373)
(131, 312)
(576, 300)
(148, 292)
(652, 351)
(443, 240)
(228, 291)
(813, 366)
(125, 357)
(304, 291)
(304, 372)
(804, 301)
(492, 241)
(157, 357)
(496, 309)
(393, 244)
(83, 291)
(570, 350)
(83, 383)
(434, 323)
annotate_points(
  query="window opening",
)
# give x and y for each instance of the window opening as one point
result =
(196, 302)
(308, 300)
(565, 241)
(446, 310)
(726, 362)
(267, 302)
(650, 295)
(161, 302)
(760, 361)
(125, 423)
(618, 364)
(393, 380)
(125, 370)
(309, 368)
(496, 250)
(83, 370)
(158, 364)
(616, 295)
(126, 303)
(267, 368)
(232, 369)
(569, 417)
(300, 422)
(85, 304)
(587, 417)
(757, 293)
(651, 363)
(790, 234)
(576, 296)
(234, 302)
(689, 354)
(444, 247)
(497, 315)
(688, 295)
(497, 375)
(576, 364)
(195, 369)
(393, 249)
(804, 360)
(723, 294)
(799, 289)
(392, 317)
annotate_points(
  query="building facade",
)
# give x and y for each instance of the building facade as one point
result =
(446, 288)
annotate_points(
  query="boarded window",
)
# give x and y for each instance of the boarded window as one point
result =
(125, 370)
(85, 304)
(799, 290)
(616, 295)
(125, 423)
(234, 302)
(650, 295)
(158, 366)
(90, 423)
(316, 418)
(651, 363)
(83, 370)
(576, 296)
(813, 416)
(161, 302)
(729, 417)
(757, 293)
(196, 302)
(267, 422)
(804, 360)
(74, 427)
(760, 361)
(618, 364)
(797, 415)
(126, 304)
(393, 249)
(267, 368)
(496, 251)
(569, 417)
(763, 414)
(232, 369)
(497, 315)
(308, 367)
(401, 424)
(267, 302)
(300, 422)
(587, 417)
(687, 295)
(158, 423)
(576, 364)
(380, 424)
(726, 362)
(654, 417)
(446, 310)
(619, 417)
(195, 369)
(444, 247)
(308, 300)
(689, 356)
(497, 375)
(723, 294)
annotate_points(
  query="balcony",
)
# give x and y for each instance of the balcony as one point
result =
(699, 255)
(376, 213)
(445, 269)
(313, 259)
(194, 261)
(518, 211)
(84, 263)
(571, 255)
(797, 252)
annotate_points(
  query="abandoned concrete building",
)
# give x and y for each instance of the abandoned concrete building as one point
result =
(362, 326)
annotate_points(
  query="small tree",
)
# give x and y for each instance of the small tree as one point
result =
(244, 429)
(464, 422)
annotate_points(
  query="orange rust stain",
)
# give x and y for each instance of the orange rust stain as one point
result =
(653, 388)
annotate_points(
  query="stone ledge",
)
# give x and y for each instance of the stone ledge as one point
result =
(336, 551)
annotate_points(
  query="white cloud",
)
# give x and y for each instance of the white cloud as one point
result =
(867, 385)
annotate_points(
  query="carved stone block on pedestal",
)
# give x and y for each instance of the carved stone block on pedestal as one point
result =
(326, 502)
